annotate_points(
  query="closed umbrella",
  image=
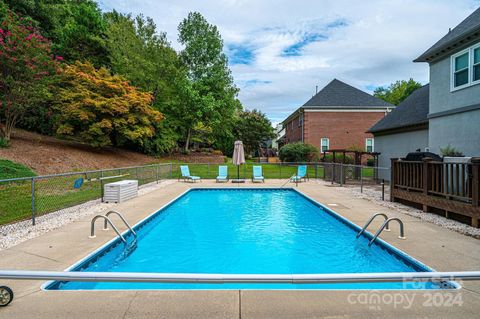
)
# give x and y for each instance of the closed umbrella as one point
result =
(238, 158)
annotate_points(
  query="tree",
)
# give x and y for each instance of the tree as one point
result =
(212, 96)
(27, 68)
(252, 128)
(75, 27)
(103, 109)
(144, 56)
(397, 91)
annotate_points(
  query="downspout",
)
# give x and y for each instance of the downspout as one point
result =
(303, 123)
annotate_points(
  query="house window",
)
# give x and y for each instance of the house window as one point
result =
(369, 144)
(325, 144)
(466, 68)
(476, 64)
(461, 70)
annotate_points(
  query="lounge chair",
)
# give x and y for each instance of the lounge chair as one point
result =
(186, 174)
(257, 174)
(301, 174)
(222, 174)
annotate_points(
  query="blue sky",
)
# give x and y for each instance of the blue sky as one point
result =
(279, 50)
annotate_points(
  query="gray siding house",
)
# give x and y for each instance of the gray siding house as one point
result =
(445, 112)
(403, 130)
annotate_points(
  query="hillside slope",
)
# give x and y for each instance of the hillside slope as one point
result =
(48, 155)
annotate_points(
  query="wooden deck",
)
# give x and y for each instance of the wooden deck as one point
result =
(449, 187)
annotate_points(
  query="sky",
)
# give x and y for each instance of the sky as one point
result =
(280, 50)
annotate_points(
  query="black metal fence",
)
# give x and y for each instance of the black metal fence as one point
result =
(30, 197)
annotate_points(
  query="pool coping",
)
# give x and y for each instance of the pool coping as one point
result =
(399, 254)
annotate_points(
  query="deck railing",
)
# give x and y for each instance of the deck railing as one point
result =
(450, 187)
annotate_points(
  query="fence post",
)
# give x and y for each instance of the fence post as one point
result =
(171, 170)
(383, 189)
(316, 170)
(393, 177)
(333, 171)
(361, 180)
(341, 174)
(426, 180)
(33, 201)
(280, 170)
(475, 187)
(101, 185)
(157, 172)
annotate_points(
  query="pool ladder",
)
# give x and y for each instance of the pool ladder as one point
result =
(107, 221)
(385, 226)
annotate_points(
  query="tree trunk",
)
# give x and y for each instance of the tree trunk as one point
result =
(187, 143)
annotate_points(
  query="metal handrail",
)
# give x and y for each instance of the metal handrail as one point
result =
(370, 221)
(239, 278)
(400, 223)
(288, 180)
(92, 227)
(105, 226)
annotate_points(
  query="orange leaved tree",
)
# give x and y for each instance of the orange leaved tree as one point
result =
(102, 109)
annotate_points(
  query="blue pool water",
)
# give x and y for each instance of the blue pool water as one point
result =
(246, 231)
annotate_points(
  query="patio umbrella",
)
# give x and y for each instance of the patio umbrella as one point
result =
(238, 156)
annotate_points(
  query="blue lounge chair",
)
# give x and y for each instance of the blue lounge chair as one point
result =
(301, 174)
(186, 174)
(222, 174)
(257, 174)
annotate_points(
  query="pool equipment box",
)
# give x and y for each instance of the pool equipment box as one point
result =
(120, 191)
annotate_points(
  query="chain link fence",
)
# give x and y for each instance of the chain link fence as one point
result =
(30, 197)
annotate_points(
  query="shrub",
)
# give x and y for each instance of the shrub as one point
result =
(4, 143)
(451, 151)
(338, 158)
(298, 152)
(371, 162)
(217, 152)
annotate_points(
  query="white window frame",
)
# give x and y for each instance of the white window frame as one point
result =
(366, 144)
(470, 50)
(321, 144)
(475, 47)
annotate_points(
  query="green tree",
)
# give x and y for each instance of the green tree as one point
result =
(145, 57)
(103, 109)
(27, 68)
(397, 91)
(212, 95)
(76, 27)
(252, 128)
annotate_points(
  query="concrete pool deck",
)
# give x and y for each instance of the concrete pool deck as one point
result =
(439, 248)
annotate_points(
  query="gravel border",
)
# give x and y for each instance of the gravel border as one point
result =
(374, 195)
(16, 233)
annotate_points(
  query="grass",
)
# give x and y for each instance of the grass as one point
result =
(9, 169)
(58, 192)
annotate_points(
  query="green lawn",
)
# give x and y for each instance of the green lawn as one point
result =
(9, 169)
(277, 171)
(56, 193)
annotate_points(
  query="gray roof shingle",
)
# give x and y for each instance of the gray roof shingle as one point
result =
(470, 27)
(338, 94)
(412, 111)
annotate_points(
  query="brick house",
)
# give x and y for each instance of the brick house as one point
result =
(337, 117)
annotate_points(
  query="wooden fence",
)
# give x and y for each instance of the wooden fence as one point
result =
(449, 187)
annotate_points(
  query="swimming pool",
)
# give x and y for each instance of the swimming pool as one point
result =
(246, 231)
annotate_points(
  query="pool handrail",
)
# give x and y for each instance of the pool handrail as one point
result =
(105, 226)
(400, 223)
(371, 220)
(92, 227)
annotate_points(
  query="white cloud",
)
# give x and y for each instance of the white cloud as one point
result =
(375, 47)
